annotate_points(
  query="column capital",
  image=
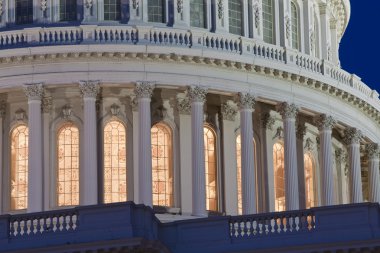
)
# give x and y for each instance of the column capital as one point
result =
(144, 89)
(229, 110)
(372, 150)
(267, 121)
(47, 104)
(89, 89)
(246, 101)
(183, 104)
(196, 93)
(34, 91)
(287, 110)
(352, 135)
(324, 122)
(301, 130)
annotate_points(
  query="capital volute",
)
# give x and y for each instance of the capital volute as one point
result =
(144, 89)
(352, 136)
(324, 122)
(197, 93)
(287, 111)
(246, 101)
(89, 89)
(34, 91)
(372, 150)
(229, 110)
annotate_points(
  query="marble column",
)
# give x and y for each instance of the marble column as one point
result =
(144, 92)
(2, 115)
(289, 113)
(325, 124)
(46, 109)
(34, 92)
(373, 172)
(300, 134)
(248, 176)
(89, 184)
(197, 96)
(352, 138)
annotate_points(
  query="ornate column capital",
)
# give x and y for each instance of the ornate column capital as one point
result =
(183, 104)
(196, 93)
(34, 91)
(47, 104)
(352, 135)
(246, 101)
(287, 110)
(267, 121)
(372, 150)
(324, 122)
(89, 89)
(144, 89)
(229, 110)
(301, 131)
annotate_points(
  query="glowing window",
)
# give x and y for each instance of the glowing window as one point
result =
(115, 162)
(156, 11)
(210, 169)
(268, 21)
(19, 167)
(235, 16)
(67, 10)
(162, 172)
(309, 180)
(197, 13)
(68, 165)
(279, 176)
(295, 26)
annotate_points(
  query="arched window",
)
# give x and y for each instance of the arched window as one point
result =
(112, 10)
(19, 167)
(197, 13)
(295, 26)
(162, 169)
(115, 162)
(235, 17)
(24, 11)
(68, 165)
(268, 21)
(156, 11)
(279, 176)
(238, 162)
(67, 10)
(210, 169)
(309, 180)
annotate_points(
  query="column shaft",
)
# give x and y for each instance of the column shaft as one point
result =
(374, 180)
(327, 173)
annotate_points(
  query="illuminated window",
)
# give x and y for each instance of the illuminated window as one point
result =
(235, 16)
(238, 161)
(162, 172)
(279, 176)
(115, 162)
(19, 167)
(210, 169)
(67, 10)
(309, 180)
(112, 9)
(68, 165)
(268, 21)
(156, 11)
(197, 13)
(24, 11)
(295, 26)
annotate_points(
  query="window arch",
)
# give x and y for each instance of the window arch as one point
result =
(198, 13)
(67, 10)
(295, 26)
(156, 11)
(279, 177)
(19, 167)
(115, 162)
(112, 9)
(235, 17)
(24, 11)
(68, 165)
(162, 169)
(310, 192)
(210, 169)
(268, 21)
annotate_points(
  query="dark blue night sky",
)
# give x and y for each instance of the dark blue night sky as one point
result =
(360, 46)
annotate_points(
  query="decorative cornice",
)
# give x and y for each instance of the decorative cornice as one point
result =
(47, 104)
(287, 111)
(324, 122)
(196, 93)
(34, 91)
(246, 101)
(229, 111)
(267, 121)
(89, 89)
(144, 89)
(352, 135)
(372, 150)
